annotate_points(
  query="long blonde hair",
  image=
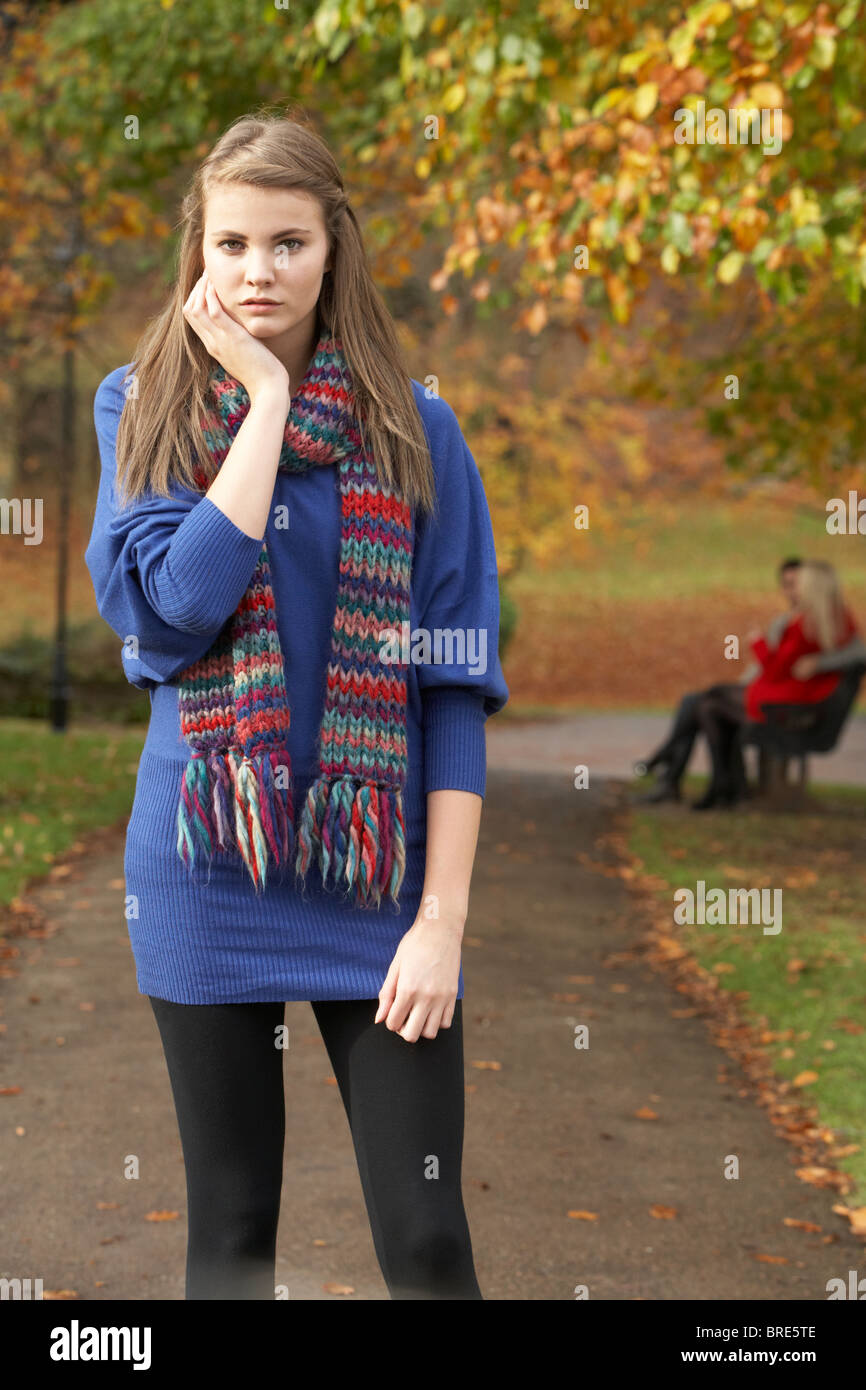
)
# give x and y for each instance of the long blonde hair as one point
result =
(820, 601)
(160, 436)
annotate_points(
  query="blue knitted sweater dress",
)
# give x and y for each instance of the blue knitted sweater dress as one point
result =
(167, 574)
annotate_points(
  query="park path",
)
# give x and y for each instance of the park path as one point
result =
(612, 742)
(552, 1130)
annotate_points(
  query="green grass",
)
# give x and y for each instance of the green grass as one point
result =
(697, 547)
(823, 931)
(54, 787)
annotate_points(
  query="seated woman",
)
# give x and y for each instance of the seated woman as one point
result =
(820, 622)
(671, 759)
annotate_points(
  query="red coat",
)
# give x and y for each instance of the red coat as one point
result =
(775, 685)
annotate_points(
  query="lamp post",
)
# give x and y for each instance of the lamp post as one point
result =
(65, 254)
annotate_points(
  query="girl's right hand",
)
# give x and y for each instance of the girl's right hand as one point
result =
(244, 357)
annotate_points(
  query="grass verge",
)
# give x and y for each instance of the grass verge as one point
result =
(55, 787)
(803, 989)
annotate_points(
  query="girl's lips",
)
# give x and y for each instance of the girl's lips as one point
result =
(259, 308)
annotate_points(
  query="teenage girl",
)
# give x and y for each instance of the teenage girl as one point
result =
(277, 494)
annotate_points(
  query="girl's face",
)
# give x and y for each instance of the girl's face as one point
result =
(266, 243)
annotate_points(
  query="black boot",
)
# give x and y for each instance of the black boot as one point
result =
(665, 790)
(715, 797)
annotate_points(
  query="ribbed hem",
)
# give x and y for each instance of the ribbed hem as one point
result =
(208, 566)
(455, 748)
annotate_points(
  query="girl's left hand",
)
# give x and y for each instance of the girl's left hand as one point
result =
(420, 989)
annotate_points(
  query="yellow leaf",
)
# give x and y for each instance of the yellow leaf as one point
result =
(729, 267)
(670, 260)
(645, 100)
(454, 96)
(632, 61)
(631, 247)
(767, 94)
(806, 1078)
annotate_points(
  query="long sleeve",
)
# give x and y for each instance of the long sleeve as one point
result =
(166, 572)
(455, 587)
(853, 653)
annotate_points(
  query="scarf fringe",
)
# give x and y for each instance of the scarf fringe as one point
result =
(229, 801)
(354, 831)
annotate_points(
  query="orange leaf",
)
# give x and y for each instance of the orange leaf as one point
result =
(583, 1215)
(857, 1217)
(162, 1216)
(645, 1113)
(488, 1066)
(800, 1225)
(338, 1288)
(772, 1259)
(662, 1213)
(806, 1078)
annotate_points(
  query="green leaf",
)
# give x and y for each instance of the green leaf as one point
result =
(823, 51)
(810, 238)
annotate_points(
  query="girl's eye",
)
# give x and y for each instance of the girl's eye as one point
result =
(290, 241)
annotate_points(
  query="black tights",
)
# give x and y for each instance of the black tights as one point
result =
(718, 712)
(721, 713)
(405, 1106)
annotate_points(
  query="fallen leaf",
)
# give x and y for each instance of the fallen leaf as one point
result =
(59, 1293)
(800, 1225)
(645, 1113)
(662, 1213)
(10, 1090)
(162, 1216)
(583, 1215)
(806, 1078)
(338, 1288)
(857, 1217)
(772, 1259)
(487, 1066)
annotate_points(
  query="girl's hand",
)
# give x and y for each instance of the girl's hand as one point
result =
(804, 667)
(420, 989)
(244, 357)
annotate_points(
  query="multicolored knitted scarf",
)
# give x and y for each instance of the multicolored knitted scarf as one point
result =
(236, 789)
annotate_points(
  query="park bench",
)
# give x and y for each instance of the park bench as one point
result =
(792, 732)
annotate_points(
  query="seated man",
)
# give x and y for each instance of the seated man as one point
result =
(673, 755)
